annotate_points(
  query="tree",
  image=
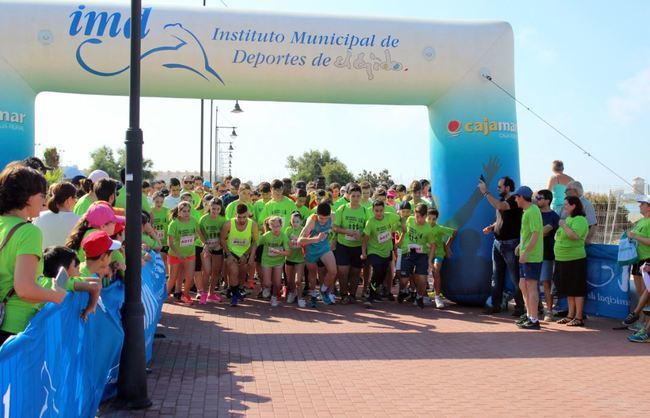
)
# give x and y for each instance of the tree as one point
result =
(314, 163)
(52, 157)
(104, 159)
(375, 179)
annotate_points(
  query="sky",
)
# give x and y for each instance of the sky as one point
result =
(584, 66)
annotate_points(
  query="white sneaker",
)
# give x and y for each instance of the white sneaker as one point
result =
(302, 303)
(439, 302)
(266, 293)
(274, 301)
(291, 297)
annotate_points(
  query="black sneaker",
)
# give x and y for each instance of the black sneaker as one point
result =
(630, 319)
(401, 297)
(177, 296)
(530, 325)
(491, 310)
(242, 293)
(420, 302)
(522, 320)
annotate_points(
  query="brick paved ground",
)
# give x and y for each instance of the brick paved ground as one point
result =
(254, 360)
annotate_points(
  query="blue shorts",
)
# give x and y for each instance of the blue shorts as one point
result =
(530, 271)
(414, 263)
(547, 271)
(438, 259)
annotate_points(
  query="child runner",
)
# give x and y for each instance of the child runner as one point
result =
(276, 248)
(314, 237)
(443, 237)
(99, 216)
(348, 224)
(377, 246)
(295, 263)
(279, 205)
(239, 239)
(182, 233)
(418, 249)
(160, 222)
(210, 227)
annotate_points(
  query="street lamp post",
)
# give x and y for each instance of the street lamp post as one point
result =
(236, 109)
(132, 379)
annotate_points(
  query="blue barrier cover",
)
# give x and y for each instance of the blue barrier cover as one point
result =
(61, 366)
(607, 283)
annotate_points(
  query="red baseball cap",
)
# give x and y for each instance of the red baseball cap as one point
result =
(100, 213)
(98, 243)
(119, 227)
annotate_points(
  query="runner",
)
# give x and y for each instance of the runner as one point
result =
(443, 237)
(275, 248)
(160, 222)
(245, 198)
(418, 248)
(377, 246)
(279, 205)
(301, 204)
(174, 197)
(265, 196)
(314, 237)
(239, 239)
(210, 227)
(181, 235)
(348, 225)
(295, 263)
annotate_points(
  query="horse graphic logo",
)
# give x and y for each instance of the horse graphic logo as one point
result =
(182, 39)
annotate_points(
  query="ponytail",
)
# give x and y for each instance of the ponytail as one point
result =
(77, 234)
(59, 193)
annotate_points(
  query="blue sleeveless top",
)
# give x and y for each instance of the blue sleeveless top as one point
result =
(559, 193)
(321, 247)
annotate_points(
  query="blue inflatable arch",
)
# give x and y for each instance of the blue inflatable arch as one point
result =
(75, 47)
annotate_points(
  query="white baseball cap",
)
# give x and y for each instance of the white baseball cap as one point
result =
(643, 199)
(97, 175)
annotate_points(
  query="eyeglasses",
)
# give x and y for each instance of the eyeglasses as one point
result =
(539, 197)
(187, 182)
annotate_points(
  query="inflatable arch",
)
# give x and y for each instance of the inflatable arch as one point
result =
(79, 47)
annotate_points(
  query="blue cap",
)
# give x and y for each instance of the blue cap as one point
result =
(207, 183)
(525, 192)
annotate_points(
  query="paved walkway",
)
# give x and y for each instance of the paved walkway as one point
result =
(397, 360)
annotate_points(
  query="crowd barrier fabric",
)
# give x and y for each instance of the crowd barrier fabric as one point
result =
(62, 367)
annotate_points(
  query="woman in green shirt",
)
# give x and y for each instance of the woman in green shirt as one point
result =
(570, 273)
(641, 234)
(276, 249)
(210, 227)
(22, 197)
(295, 263)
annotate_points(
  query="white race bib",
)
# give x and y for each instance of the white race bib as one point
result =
(275, 251)
(187, 241)
(383, 237)
(213, 243)
(416, 247)
(350, 238)
(160, 235)
(240, 242)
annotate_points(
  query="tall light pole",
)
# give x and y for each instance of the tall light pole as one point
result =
(236, 110)
(132, 379)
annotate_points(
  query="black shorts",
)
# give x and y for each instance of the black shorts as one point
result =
(258, 254)
(294, 263)
(414, 263)
(570, 277)
(216, 252)
(198, 265)
(164, 249)
(348, 256)
(636, 267)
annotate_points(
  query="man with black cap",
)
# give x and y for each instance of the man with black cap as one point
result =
(506, 229)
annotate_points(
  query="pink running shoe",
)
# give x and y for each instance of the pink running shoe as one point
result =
(215, 298)
(203, 298)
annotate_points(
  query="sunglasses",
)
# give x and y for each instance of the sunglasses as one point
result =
(539, 197)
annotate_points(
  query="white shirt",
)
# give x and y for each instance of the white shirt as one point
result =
(55, 226)
(171, 202)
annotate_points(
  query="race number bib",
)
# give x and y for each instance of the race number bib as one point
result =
(240, 242)
(187, 241)
(213, 243)
(383, 237)
(275, 251)
(160, 235)
(415, 247)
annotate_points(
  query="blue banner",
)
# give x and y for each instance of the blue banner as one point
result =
(607, 283)
(62, 367)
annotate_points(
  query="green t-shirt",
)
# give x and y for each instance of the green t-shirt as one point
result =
(417, 237)
(82, 205)
(231, 209)
(258, 207)
(296, 255)
(211, 229)
(146, 239)
(380, 234)
(183, 235)
(196, 198)
(441, 234)
(567, 249)
(642, 228)
(389, 209)
(367, 204)
(120, 201)
(271, 243)
(354, 219)
(341, 201)
(27, 240)
(196, 215)
(531, 221)
(282, 208)
(160, 222)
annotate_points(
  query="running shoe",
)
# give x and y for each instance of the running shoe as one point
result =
(630, 319)
(530, 325)
(641, 336)
(328, 298)
(439, 302)
(274, 302)
(291, 297)
(203, 298)
(313, 302)
(213, 297)
(266, 293)
(185, 298)
(301, 303)
(345, 300)
(177, 296)
(233, 299)
(420, 302)
(523, 318)
(548, 317)
(401, 297)
(242, 293)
